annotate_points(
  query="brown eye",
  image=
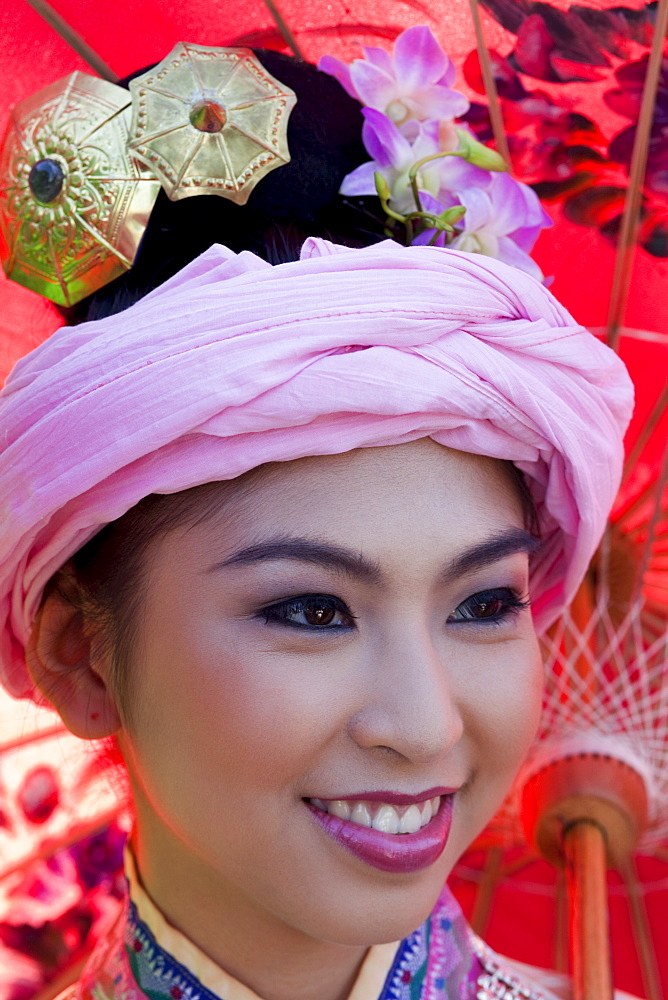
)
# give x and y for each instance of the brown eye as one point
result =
(493, 606)
(487, 607)
(318, 612)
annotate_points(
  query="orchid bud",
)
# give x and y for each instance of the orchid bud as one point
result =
(382, 187)
(478, 154)
(452, 216)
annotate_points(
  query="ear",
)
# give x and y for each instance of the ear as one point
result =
(69, 668)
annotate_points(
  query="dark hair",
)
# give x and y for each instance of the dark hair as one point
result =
(297, 200)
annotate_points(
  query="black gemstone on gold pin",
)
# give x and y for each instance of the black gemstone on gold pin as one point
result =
(46, 180)
(208, 116)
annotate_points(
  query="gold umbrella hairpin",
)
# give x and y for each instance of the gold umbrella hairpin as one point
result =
(74, 204)
(210, 121)
(83, 161)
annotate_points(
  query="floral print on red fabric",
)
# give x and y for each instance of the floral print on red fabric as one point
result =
(561, 153)
(58, 907)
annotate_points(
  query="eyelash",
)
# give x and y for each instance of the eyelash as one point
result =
(278, 613)
(507, 602)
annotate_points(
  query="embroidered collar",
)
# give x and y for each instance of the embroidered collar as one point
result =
(436, 960)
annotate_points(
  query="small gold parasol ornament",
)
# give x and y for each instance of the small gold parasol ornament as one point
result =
(74, 203)
(210, 120)
(83, 161)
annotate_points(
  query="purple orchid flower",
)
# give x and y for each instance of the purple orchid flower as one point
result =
(503, 219)
(393, 155)
(414, 83)
(409, 115)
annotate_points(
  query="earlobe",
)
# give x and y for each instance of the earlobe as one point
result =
(62, 663)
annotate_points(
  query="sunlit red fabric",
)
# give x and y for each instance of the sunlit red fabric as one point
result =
(32, 55)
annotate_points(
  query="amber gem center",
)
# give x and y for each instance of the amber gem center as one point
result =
(208, 116)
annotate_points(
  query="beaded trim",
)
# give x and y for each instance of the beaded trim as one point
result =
(497, 982)
(156, 972)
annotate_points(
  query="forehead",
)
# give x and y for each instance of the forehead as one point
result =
(397, 468)
(417, 489)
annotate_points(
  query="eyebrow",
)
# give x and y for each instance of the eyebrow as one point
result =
(302, 550)
(505, 543)
(334, 557)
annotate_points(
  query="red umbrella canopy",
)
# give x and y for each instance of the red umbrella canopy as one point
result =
(569, 111)
(569, 78)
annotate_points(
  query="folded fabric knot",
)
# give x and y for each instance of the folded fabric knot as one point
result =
(234, 363)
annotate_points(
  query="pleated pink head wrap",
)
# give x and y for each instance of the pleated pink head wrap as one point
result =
(233, 363)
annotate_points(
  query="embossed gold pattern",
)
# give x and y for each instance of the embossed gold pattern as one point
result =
(210, 121)
(88, 234)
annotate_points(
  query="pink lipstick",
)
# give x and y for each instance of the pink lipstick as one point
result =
(400, 853)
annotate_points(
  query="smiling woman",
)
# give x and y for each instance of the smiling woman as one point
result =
(285, 533)
(344, 666)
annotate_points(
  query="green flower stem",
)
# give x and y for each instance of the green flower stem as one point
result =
(470, 150)
(384, 193)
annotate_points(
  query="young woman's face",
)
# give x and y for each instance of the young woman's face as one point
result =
(345, 642)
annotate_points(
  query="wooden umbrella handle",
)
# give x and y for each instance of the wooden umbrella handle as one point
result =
(584, 848)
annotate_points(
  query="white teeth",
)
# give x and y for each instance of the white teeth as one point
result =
(339, 808)
(387, 821)
(411, 821)
(361, 814)
(382, 816)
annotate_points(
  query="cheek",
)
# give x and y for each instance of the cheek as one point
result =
(223, 709)
(500, 715)
(503, 707)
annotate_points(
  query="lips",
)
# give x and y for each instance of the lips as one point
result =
(350, 821)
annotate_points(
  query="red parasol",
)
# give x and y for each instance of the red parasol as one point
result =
(559, 87)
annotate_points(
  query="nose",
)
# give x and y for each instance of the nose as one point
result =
(411, 705)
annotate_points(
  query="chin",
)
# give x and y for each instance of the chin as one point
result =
(388, 912)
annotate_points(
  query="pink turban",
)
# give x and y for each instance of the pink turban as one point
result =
(233, 363)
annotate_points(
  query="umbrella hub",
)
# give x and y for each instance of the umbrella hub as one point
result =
(208, 116)
(585, 788)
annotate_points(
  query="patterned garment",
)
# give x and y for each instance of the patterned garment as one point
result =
(442, 959)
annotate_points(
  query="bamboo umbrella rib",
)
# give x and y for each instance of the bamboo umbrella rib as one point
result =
(486, 888)
(513, 867)
(40, 734)
(627, 236)
(648, 429)
(74, 40)
(284, 28)
(659, 488)
(641, 933)
(639, 529)
(52, 846)
(495, 113)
